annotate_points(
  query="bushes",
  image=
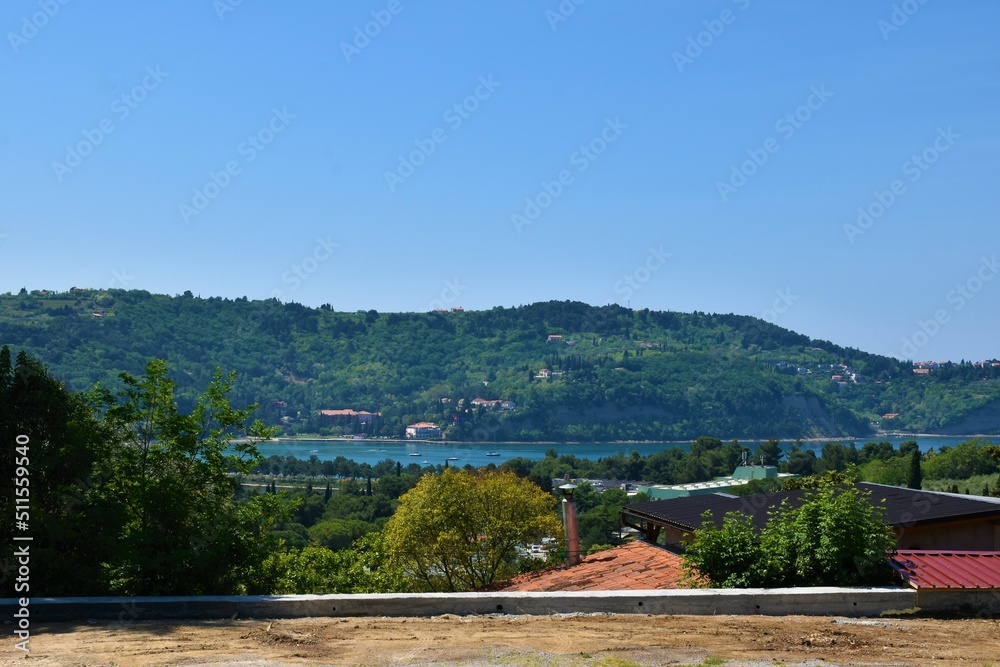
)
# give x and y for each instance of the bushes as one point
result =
(961, 462)
(836, 537)
(364, 568)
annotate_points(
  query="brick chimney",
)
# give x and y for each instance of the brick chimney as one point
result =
(569, 521)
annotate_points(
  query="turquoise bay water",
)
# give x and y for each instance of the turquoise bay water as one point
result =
(475, 453)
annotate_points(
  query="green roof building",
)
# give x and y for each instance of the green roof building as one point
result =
(740, 476)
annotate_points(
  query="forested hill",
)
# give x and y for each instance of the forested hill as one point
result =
(613, 373)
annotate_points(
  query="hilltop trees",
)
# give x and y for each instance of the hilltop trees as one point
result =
(616, 374)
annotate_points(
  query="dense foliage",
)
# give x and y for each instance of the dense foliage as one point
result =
(129, 495)
(461, 530)
(616, 374)
(836, 537)
(363, 568)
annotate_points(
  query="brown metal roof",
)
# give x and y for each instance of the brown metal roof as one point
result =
(903, 507)
(949, 569)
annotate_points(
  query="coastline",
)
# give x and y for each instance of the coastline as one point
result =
(871, 438)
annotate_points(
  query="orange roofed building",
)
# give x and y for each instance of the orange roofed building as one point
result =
(363, 416)
(422, 430)
(636, 566)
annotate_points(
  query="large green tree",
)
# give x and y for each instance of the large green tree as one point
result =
(130, 495)
(461, 530)
(66, 445)
(174, 478)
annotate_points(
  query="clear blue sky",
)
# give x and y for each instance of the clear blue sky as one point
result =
(115, 114)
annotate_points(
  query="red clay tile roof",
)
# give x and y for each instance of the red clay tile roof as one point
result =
(634, 566)
(949, 569)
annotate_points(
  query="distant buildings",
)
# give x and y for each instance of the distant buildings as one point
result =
(423, 430)
(362, 416)
(494, 404)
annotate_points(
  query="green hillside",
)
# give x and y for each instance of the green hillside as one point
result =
(616, 374)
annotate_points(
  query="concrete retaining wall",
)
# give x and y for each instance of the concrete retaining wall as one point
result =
(971, 601)
(774, 602)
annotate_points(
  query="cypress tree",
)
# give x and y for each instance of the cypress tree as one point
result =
(916, 478)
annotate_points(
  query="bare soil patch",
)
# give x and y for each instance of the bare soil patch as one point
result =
(620, 640)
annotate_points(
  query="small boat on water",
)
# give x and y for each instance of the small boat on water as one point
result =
(492, 454)
(425, 462)
(314, 451)
(452, 458)
(415, 454)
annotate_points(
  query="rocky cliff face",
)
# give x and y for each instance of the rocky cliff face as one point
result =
(984, 421)
(818, 420)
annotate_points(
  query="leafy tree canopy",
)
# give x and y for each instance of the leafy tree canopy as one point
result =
(461, 530)
(131, 495)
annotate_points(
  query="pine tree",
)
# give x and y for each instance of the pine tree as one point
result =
(328, 493)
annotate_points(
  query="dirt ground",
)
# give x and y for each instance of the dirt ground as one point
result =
(515, 641)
